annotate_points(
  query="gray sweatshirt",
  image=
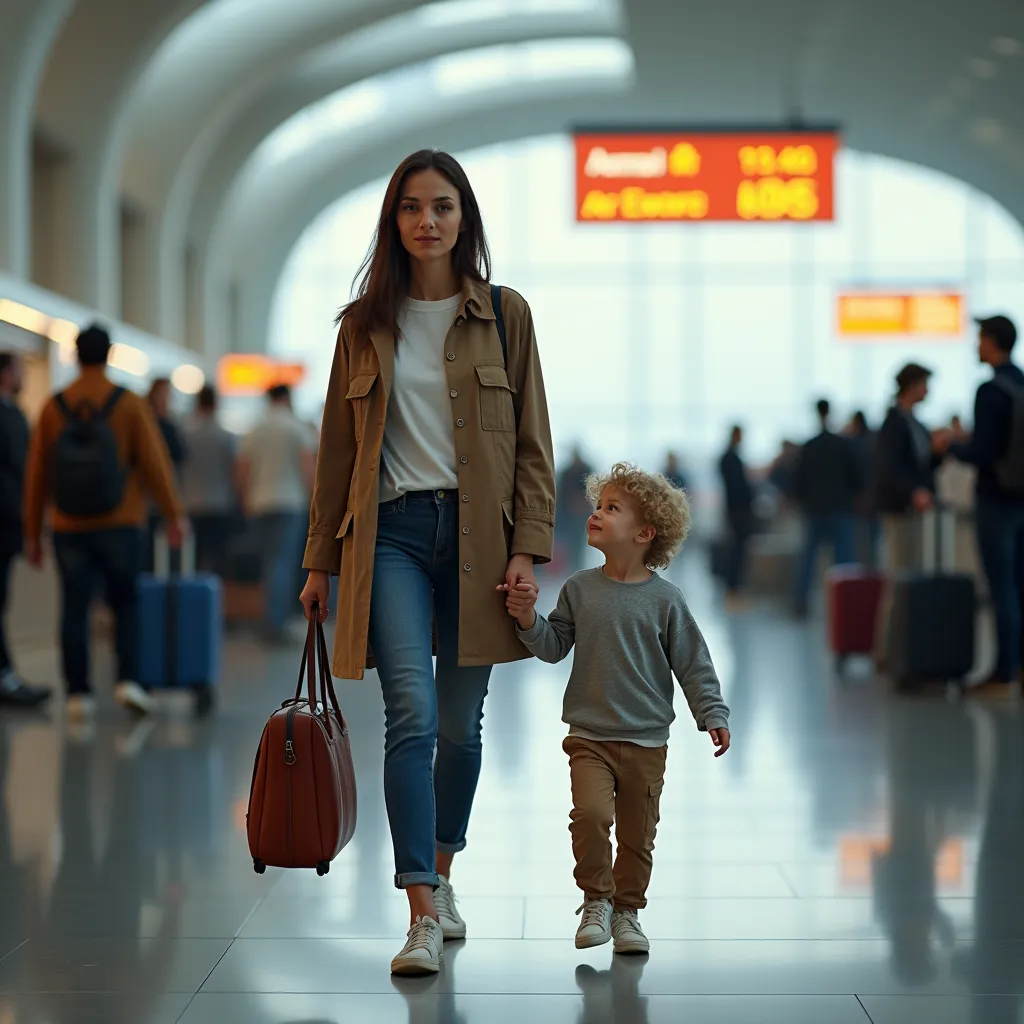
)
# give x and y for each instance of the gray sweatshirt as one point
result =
(629, 638)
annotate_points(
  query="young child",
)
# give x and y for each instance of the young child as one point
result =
(632, 630)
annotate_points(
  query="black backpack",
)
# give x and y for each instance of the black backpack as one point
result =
(88, 478)
(1010, 468)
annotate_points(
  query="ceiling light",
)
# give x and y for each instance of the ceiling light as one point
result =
(188, 379)
(129, 360)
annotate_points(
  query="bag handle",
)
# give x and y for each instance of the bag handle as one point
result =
(315, 662)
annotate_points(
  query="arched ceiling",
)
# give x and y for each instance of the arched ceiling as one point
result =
(941, 85)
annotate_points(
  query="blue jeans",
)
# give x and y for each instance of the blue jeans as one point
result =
(835, 531)
(111, 557)
(281, 542)
(1000, 531)
(416, 586)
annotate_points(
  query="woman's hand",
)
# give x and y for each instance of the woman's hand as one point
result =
(520, 569)
(315, 592)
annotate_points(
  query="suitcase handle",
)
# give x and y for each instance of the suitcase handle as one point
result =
(315, 662)
(162, 555)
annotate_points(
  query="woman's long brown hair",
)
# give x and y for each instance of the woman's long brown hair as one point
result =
(385, 273)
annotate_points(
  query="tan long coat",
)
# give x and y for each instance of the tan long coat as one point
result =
(505, 470)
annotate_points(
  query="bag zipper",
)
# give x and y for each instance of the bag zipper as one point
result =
(289, 736)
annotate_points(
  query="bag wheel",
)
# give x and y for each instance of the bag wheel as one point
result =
(259, 867)
(323, 867)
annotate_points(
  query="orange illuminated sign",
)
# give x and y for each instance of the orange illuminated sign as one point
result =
(247, 374)
(705, 176)
(926, 314)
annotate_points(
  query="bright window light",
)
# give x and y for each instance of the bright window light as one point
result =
(188, 379)
(459, 12)
(525, 62)
(129, 359)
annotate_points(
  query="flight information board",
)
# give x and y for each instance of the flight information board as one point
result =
(705, 176)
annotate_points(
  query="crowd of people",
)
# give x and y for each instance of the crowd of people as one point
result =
(862, 493)
(112, 476)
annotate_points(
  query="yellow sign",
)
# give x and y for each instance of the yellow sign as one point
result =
(925, 314)
(248, 374)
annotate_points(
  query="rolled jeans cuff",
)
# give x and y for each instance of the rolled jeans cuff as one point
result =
(449, 847)
(416, 878)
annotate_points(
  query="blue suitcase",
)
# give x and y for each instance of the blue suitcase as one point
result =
(180, 628)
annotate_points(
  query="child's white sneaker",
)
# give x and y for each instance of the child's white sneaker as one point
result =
(444, 903)
(629, 936)
(596, 927)
(421, 953)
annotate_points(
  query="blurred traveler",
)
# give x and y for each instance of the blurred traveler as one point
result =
(96, 446)
(208, 482)
(159, 399)
(739, 515)
(907, 457)
(428, 388)
(573, 509)
(997, 450)
(867, 527)
(826, 482)
(673, 472)
(14, 435)
(276, 468)
(782, 471)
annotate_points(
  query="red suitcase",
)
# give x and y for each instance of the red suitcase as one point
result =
(302, 802)
(854, 594)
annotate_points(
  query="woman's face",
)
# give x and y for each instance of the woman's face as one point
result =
(429, 215)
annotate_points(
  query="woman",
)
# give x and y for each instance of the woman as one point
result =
(434, 485)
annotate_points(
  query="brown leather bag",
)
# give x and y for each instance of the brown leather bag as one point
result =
(302, 803)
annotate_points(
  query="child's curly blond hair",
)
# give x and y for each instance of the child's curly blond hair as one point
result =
(658, 503)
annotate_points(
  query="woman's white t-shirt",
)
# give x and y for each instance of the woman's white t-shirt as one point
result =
(418, 453)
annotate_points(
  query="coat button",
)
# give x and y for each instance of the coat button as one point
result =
(465, 530)
(460, 423)
(464, 459)
(450, 357)
(468, 567)
(465, 497)
(453, 394)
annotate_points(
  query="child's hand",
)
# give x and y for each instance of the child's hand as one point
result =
(520, 602)
(721, 739)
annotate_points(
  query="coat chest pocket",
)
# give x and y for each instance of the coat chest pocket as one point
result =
(360, 395)
(496, 409)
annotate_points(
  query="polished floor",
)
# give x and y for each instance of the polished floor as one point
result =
(854, 858)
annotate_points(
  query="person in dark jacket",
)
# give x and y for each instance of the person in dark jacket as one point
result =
(867, 530)
(999, 514)
(14, 436)
(907, 457)
(826, 482)
(739, 514)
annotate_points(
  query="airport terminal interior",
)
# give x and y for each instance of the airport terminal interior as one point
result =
(720, 213)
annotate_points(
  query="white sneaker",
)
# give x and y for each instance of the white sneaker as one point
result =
(444, 903)
(132, 696)
(422, 952)
(80, 707)
(629, 936)
(596, 927)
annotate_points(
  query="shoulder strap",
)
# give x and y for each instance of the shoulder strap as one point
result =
(1015, 391)
(499, 321)
(62, 404)
(112, 400)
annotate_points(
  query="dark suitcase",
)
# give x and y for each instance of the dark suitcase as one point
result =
(853, 595)
(302, 800)
(931, 631)
(180, 627)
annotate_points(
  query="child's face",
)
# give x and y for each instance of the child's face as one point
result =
(615, 528)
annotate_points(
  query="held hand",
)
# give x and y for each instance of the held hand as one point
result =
(520, 568)
(315, 593)
(520, 602)
(922, 498)
(721, 739)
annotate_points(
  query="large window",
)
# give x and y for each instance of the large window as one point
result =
(659, 336)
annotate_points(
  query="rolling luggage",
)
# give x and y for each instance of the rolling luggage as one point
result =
(931, 632)
(302, 800)
(180, 626)
(853, 595)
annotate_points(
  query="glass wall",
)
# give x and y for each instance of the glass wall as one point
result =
(660, 336)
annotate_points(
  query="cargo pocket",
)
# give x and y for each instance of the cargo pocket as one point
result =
(653, 812)
(359, 389)
(496, 410)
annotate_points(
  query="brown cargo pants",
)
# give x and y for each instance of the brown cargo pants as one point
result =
(616, 783)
